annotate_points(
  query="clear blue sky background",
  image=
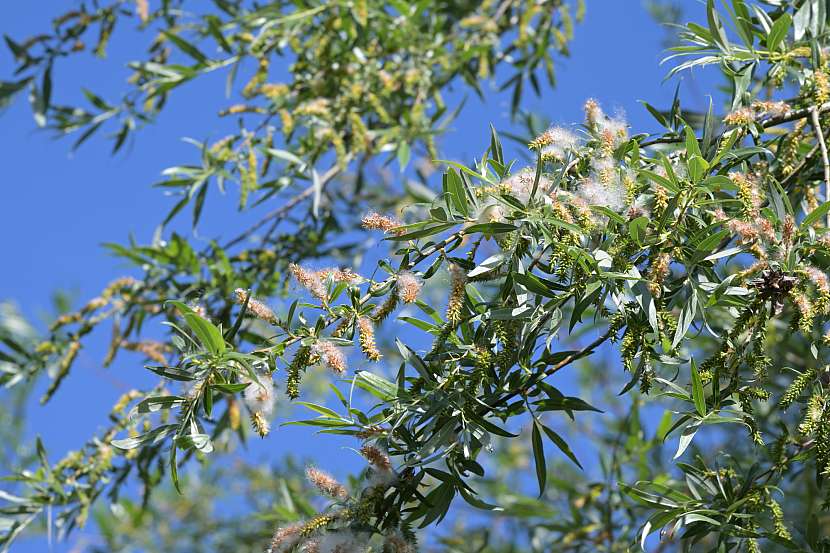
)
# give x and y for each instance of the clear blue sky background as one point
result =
(58, 207)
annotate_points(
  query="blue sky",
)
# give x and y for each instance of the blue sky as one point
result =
(60, 206)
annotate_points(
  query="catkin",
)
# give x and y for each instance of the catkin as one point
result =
(367, 339)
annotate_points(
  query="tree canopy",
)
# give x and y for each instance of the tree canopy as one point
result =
(681, 276)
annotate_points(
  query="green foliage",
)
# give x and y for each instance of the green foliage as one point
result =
(701, 252)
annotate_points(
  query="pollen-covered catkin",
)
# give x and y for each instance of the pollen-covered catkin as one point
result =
(376, 221)
(286, 537)
(408, 286)
(326, 483)
(256, 307)
(367, 339)
(377, 458)
(331, 356)
(310, 280)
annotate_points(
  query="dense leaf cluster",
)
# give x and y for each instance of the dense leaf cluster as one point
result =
(701, 253)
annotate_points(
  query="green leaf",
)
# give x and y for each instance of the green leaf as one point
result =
(8, 90)
(697, 391)
(686, 438)
(779, 31)
(153, 436)
(687, 316)
(457, 191)
(494, 429)
(422, 233)
(376, 385)
(153, 404)
(539, 457)
(320, 409)
(637, 229)
(173, 373)
(814, 216)
(174, 469)
(186, 47)
(491, 228)
(561, 444)
(403, 155)
(692, 146)
(697, 168)
(230, 388)
(716, 28)
(208, 334)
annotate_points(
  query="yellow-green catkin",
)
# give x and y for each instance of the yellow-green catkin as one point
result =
(252, 87)
(287, 121)
(812, 414)
(779, 525)
(821, 91)
(234, 415)
(260, 425)
(788, 151)
(317, 523)
(455, 303)
(799, 384)
(361, 142)
(301, 360)
(823, 445)
(63, 369)
(386, 308)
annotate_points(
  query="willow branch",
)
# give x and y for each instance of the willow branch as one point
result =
(824, 160)
(765, 123)
(283, 210)
(542, 375)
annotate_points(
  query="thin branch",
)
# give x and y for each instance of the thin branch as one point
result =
(785, 183)
(793, 115)
(825, 161)
(282, 211)
(575, 356)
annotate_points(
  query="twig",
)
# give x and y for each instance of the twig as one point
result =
(587, 350)
(825, 161)
(283, 210)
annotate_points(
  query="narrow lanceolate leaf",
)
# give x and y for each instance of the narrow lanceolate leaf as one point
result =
(208, 334)
(779, 31)
(561, 444)
(186, 47)
(539, 457)
(153, 436)
(815, 215)
(697, 391)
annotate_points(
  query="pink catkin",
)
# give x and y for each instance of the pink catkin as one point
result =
(376, 221)
(408, 286)
(331, 356)
(326, 483)
(256, 307)
(309, 280)
(376, 458)
(286, 538)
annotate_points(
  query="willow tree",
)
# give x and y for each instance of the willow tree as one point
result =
(683, 274)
